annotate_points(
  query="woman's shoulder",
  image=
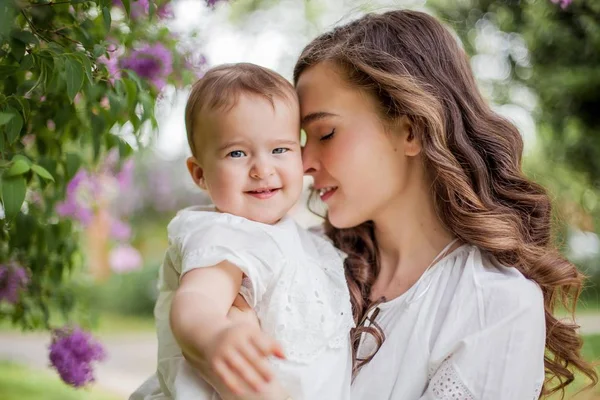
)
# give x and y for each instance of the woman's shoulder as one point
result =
(494, 288)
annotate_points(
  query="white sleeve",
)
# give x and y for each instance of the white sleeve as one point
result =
(504, 360)
(205, 242)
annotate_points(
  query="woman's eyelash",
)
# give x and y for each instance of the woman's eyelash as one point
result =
(328, 136)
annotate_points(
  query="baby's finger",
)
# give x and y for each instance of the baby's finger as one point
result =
(258, 360)
(244, 370)
(267, 346)
(229, 377)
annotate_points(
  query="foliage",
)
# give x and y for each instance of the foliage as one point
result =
(76, 78)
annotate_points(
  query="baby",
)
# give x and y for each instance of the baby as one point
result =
(243, 129)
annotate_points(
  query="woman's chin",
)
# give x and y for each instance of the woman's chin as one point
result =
(343, 220)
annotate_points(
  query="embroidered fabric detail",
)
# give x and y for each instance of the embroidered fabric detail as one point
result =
(309, 310)
(447, 385)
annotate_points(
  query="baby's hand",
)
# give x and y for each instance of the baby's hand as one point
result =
(240, 357)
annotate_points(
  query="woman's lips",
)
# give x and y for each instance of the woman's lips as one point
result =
(327, 192)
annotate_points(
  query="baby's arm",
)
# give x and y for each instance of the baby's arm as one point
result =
(236, 350)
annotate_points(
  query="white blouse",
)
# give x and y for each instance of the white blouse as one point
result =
(469, 329)
(294, 280)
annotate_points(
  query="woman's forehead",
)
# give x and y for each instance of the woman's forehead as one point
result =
(323, 91)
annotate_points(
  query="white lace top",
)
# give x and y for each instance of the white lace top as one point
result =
(470, 329)
(294, 280)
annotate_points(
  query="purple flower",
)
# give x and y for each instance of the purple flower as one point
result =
(72, 353)
(165, 11)
(125, 176)
(563, 3)
(125, 258)
(82, 192)
(152, 62)
(88, 191)
(112, 65)
(211, 3)
(13, 279)
(119, 229)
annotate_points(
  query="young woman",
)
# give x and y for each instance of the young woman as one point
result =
(451, 265)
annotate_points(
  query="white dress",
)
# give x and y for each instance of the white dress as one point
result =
(468, 329)
(295, 282)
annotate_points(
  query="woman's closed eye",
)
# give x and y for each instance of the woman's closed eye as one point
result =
(327, 136)
(236, 154)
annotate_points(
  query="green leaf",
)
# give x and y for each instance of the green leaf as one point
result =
(127, 6)
(74, 75)
(27, 63)
(72, 165)
(107, 20)
(131, 89)
(14, 126)
(24, 106)
(18, 167)
(42, 172)
(5, 117)
(25, 37)
(87, 65)
(151, 9)
(99, 50)
(21, 157)
(17, 49)
(13, 194)
(7, 17)
(7, 70)
(98, 130)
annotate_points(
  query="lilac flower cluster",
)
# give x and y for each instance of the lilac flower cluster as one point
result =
(90, 192)
(13, 280)
(151, 62)
(72, 353)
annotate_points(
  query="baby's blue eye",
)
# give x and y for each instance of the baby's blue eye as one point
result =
(236, 154)
(280, 150)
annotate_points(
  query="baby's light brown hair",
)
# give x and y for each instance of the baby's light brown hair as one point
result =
(221, 87)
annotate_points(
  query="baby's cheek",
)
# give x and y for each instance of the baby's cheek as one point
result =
(225, 186)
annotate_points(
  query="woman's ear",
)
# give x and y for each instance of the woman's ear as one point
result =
(411, 141)
(196, 172)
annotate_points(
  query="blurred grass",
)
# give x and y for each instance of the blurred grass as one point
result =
(111, 323)
(21, 383)
(106, 323)
(591, 352)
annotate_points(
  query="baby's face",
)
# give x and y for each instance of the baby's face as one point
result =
(251, 159)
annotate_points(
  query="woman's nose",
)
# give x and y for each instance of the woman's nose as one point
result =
(309, 160)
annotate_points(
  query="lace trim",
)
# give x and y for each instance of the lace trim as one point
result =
(447, 385)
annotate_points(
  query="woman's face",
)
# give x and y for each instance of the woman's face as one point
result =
(359, 167)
